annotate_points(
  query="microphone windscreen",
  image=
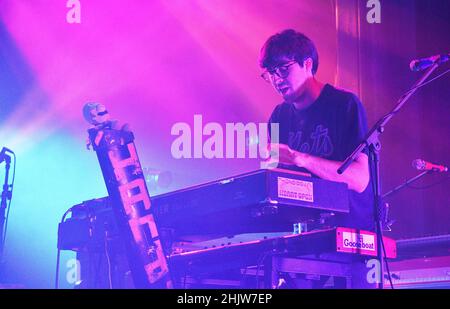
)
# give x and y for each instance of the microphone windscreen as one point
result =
(418, 164)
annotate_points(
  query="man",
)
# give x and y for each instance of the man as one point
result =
(319, 125)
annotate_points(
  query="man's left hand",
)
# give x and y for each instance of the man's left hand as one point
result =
(287, 155)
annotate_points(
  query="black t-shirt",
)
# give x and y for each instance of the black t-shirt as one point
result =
(331, 128)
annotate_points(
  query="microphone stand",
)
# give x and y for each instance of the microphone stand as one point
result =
(374, 146)
(409, 181)
(6, 195)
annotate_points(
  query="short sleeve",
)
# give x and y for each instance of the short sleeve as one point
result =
(356, 126)
(274, 118)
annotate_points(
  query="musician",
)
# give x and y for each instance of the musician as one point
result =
(319, 124)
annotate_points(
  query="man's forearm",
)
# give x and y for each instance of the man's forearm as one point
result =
(356, 176)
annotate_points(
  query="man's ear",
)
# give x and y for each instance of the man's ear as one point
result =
(308, 64)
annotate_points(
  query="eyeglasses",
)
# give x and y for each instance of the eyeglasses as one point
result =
(281, 71)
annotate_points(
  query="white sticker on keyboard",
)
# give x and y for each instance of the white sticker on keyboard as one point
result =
(295, 189)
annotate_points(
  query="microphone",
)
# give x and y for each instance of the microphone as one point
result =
(422, 165)
(3, 155)
(424, 63)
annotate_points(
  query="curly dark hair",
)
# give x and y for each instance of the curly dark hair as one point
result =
(288, 43)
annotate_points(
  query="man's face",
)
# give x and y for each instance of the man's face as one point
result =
(288, 78)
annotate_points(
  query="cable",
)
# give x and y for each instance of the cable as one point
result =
(430, 185)
(259, 264)
(387, 266)
(57, 269)
(382, 120)
(243, 275)
(385, 260)
(379, 226)
(184, 279)
(8, 207)
(59, 250)
(411, 90)
(9, 204)
(108, 259)
(434, 78)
